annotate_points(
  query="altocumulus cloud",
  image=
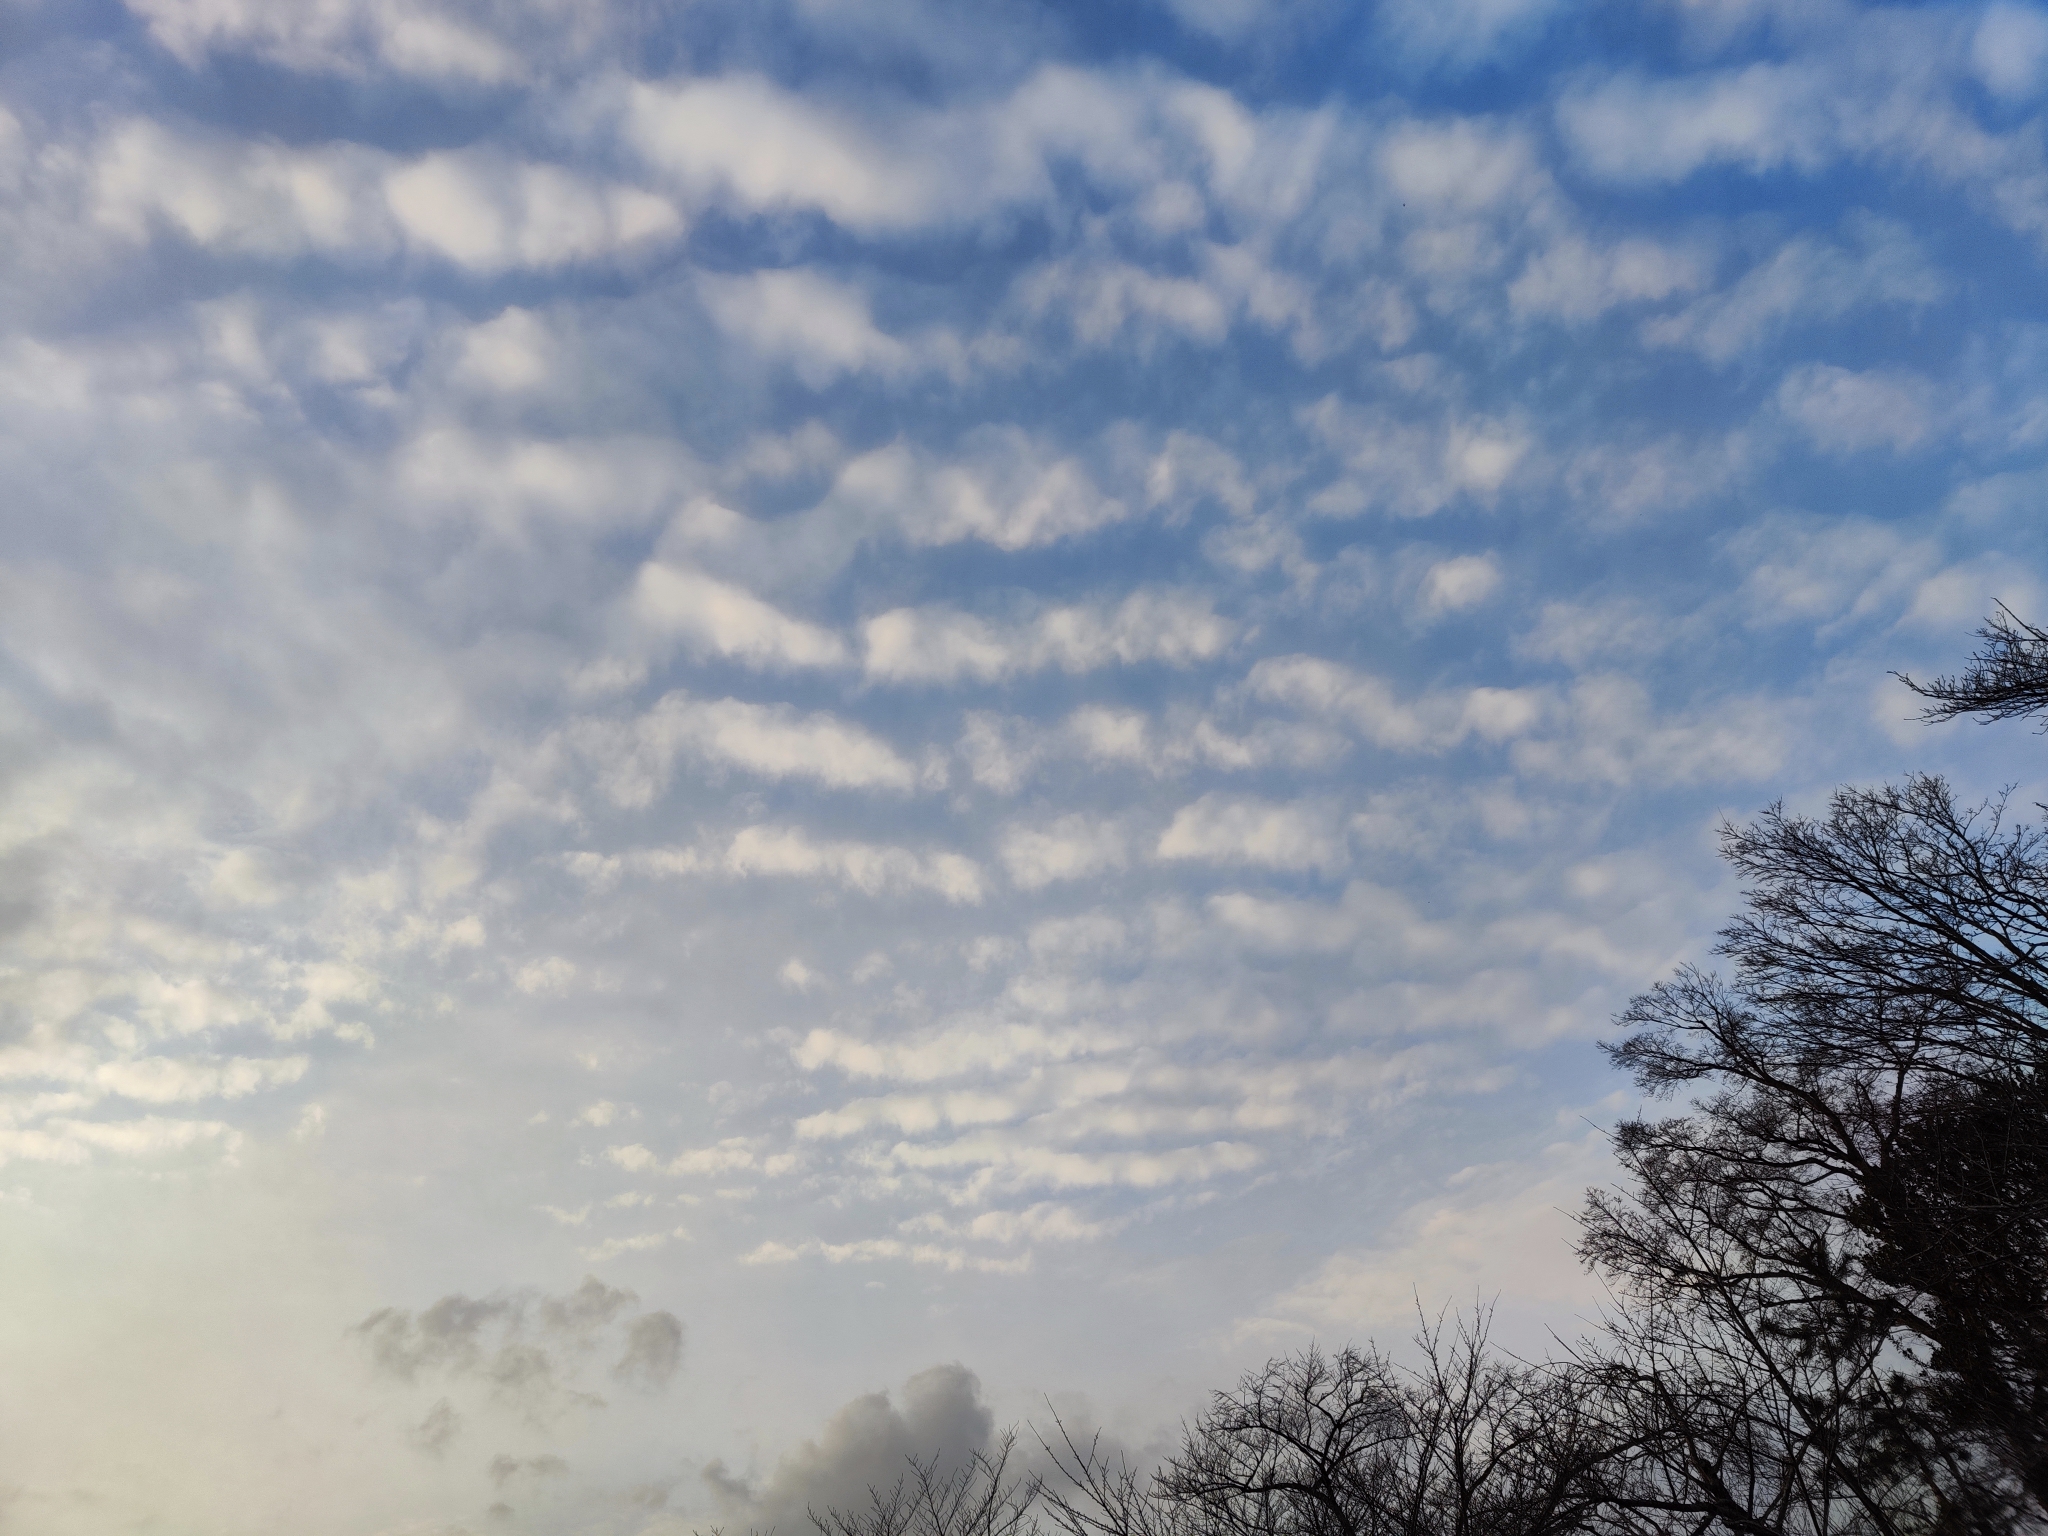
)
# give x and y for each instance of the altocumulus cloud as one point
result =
(918, 686)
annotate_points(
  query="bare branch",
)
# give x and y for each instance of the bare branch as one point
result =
(2007, 678)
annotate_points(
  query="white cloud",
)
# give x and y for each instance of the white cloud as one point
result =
(797, 976)
(746, 140)
(241, 876)
(822, 328)
(733, 1155)
(1131, 739)
(1460, 34)
(1481, 459)
(941, 645)
(1624, 481)
(1001, 754)
(634, 759)
(874, 1250)
(1576, 633)
(1806, 281)
(476, 209)
(1573, 280)
(639, 1242)
(342, 36)
(1454, 585)
(748, 144)
(954, 1052)
(1953, 600)
(871, 868)
(1082, 942)
(1367, 921)
(1630, 128)
(543, 978)
(1368, 705)
(1827, 571)
(490, 215)
(1047, 1221)
(1219, 829)
(1069, 848)
(1005, 489)
(64, 1140)
(1411, 469)
(717, 618)
(259, 199)
(1847, 412)
(1112, 735)
(1009, 1160)
(1189, 469)
(507, 354)
(507, 483)
(1611, 735)
(913, 1113)
(2010, 50)
(1460, 164)
(1105, 299)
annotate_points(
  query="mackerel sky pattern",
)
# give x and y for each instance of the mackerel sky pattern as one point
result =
(1007, 688)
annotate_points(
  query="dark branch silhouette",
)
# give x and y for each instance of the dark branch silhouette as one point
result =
(2007, 678)
(1847, 1237)
(983, 1497)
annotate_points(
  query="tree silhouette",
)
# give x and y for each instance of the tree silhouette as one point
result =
(2007, 678)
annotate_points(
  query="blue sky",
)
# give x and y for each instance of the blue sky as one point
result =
(985, 704)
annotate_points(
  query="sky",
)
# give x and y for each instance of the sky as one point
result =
(737, 739)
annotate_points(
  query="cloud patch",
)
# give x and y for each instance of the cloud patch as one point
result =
(1221, 829)
(1367, 705)
(635, 759)
(1072, 847)
(717, 618)
(868, 1444)
(943, 645)
(527, 1349)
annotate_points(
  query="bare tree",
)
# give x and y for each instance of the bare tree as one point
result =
(1313, 1445)
(1833, 1273)
(1729, 1428)
(981, 1497)
(2007, 678)
(1737, 1404)
(1469, 1443)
